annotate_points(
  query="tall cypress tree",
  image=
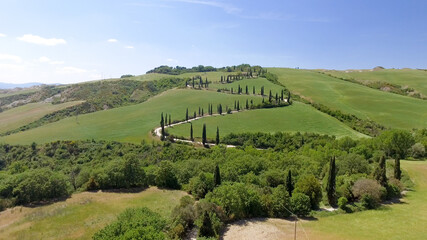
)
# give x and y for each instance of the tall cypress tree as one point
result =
(162, 124)
(203, 112)
(247, 91)
(289, 183)
(191, 132)
(247, 104)
(235, 105)
(199, 111)
(380, 172)
(270, 96)
(206, 230)
(330, 185)
(170, 120)
(206, 82)
(217, 176)
(253, 90)
(238, 105)
(262, 91)
(397, 171)
(217, 136)
(166, 119)
(193, 82)
(281, 95)
(204, 135)
(277, 98)
(289, 97)
(186, 115)
(194, 115)
(231, 90)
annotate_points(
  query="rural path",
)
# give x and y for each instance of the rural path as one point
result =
(158, 130)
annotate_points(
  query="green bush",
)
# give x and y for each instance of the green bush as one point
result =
(368, 201)
(342, 203)
(134, 223)
(300, 204)
(310, 186)
(166, 176)
(280, 202)
(199, 186)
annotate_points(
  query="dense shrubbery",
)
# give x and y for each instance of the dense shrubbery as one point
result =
(252, 183)
(180, 70)
(134, 223)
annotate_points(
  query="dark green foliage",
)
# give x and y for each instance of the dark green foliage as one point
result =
(380, 172)
(342, 203)
(310, 186)
(202, 184)
(217, 176)
(217, 136)
(281, 203)
(182, 218)
(134, 223)
(204, 141)
(289, 183)
(166, 176)
(162, 124)
(191, 132)
(186, 115)
(331, 185)
(300, 204)
(206, 229)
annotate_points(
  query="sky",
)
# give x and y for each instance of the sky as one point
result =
(52, 41)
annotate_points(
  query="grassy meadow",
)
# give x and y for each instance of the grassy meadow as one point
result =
(388, 109)
(81, 215)
(413, 78)
(298, 117)
(392, 222)
(20, 116)
(130, 123)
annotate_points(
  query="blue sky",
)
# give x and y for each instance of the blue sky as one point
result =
(71, 41)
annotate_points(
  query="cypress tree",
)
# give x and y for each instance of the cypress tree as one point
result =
(191, 132)
(206, 82)
(330, 186)
(221, 79)
(397, 171)
(217, 136)
(204, 135)
(199, 111)
(194, 115)
(277, 98)
(281, 95)
(235, 105)
(231, 90)
(238, 105)
(252, 103)
(289, 97)
(380, 172)
(206, 229)
(262, 91)
(247, 91)
(211, 109)
(217, 176)
(238, 89)
(162, 124)
(253, 90)
(170, 120)
(270, 97)
(166, 119)
(186, 115)
(247, 104)
(203, 112)
(289, 183)
(193, 82)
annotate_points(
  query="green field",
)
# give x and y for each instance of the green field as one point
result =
(298, 117)
(413, 78)
(130, 123)
(398, 221)
(253, 82)
(20, 116)
(8, 93)
(80, 216)
(388, 109)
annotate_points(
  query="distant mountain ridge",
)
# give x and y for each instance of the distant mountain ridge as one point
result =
(22, 85)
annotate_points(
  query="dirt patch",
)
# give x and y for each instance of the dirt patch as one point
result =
(263, 228)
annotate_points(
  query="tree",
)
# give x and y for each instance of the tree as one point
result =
(206, 230)
(191, 132)
(206, 83)
(204, 135)
(281, 95)
(396, 144)
(289, 183)
(380, 172)
(165, 176)
(270, 96)
(238, 105)
(186, 115)
(220, 109)
(310, 186)
(277, 98)
(253, 90)
(162, 124)
(199, 112)
(289, 97)
(203, 112)
(247, 104)
(280, 202)
(217, 136)
(217, 176)
(194, 115)
(166, 119)
(247, 91)
(331, 184)
(170, 120)
(262, 91)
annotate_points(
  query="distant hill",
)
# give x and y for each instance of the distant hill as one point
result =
(23, 85)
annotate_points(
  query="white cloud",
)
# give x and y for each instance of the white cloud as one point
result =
(9, 57)
(112, 40)
(41, 41)
(70, 70)
(2, 35)
(48, 60)
(129, 47)
(44, 59)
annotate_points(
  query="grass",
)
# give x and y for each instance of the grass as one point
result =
(20, 116)
(388, 109)
(11, 92)
(413, 78)
(407, 220)
(130, 123)
(80, 216)
(254, 82)
(296, 118)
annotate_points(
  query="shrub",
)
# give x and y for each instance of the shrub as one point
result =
(199, 186)
(165, 176)
(300, 204)
(369, 192)
(418, 150)
(342, 203)
(310, 186)
(134, 223)
(281, 202)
